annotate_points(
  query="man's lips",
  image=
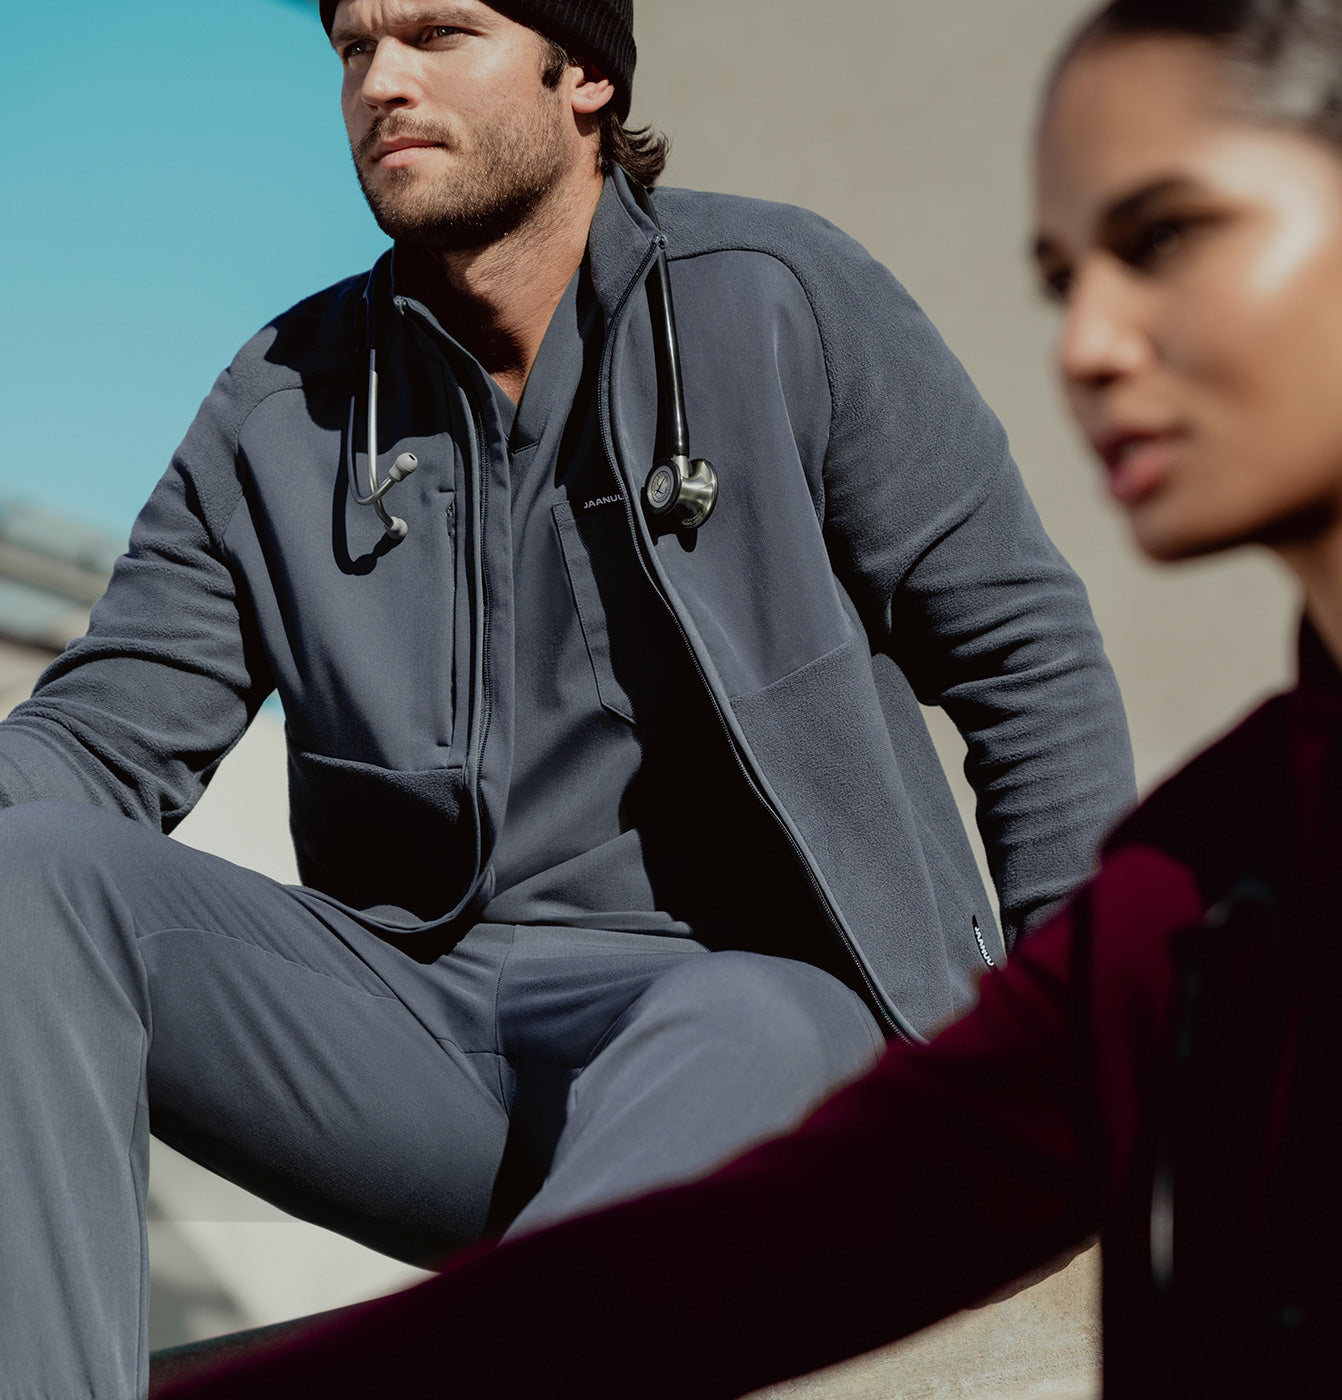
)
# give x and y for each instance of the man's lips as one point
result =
(402, 150)
(1138, 460)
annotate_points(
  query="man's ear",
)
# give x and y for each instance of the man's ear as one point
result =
(592, 90)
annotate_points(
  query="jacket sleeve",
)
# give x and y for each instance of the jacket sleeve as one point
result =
(935, 537)
(946, 1172)
(136, 715)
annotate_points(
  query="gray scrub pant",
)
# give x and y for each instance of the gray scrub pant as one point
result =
(376, 1088)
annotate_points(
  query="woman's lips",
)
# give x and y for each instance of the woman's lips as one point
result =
(1138, 463)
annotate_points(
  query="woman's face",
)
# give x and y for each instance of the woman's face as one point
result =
(1197, 256)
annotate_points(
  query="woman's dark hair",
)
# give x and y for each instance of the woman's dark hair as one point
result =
(640, 151)
(1287, 53)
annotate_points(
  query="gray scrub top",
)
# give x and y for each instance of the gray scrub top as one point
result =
(607, 826)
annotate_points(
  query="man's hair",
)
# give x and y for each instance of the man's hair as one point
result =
(641, 152)
(1287, 54)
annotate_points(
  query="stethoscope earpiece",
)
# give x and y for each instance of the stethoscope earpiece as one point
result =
(392, 525)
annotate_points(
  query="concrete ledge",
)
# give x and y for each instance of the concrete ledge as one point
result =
(1042, 1343)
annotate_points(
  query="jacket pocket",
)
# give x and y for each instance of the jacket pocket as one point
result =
(630, 642)
(379, 840)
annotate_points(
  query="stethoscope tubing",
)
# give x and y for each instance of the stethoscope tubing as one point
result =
(394, 527)
(376, 488)
(681, 491)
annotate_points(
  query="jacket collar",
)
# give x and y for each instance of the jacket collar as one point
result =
(619, 243)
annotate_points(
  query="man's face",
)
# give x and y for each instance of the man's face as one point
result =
(455, 138)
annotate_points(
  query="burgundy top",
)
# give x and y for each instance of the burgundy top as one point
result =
(1045, 1114)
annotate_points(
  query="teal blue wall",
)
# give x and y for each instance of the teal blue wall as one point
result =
(174, 174)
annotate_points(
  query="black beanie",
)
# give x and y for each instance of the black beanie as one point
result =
(602, 30)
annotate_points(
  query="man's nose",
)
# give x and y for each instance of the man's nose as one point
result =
(1102, 337)
(388, 81)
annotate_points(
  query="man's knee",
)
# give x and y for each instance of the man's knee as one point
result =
(50, 839)
(62, 868)
(798, 1019)
(63, 937)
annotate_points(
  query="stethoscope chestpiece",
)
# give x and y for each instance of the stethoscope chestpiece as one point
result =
(681, 491)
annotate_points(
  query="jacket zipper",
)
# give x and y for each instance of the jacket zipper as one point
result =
(802, 858)
(480, 732)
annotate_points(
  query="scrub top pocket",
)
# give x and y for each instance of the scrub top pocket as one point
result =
(631, 644)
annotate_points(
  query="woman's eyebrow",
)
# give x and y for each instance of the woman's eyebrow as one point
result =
(1132, 207)
(1126, 210)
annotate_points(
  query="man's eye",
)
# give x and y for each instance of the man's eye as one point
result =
(356, 49)
(443, 31)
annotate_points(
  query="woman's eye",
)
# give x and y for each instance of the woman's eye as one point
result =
(1055, 285)
(1156, 242)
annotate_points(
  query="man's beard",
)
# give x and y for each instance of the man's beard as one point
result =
(492, 191)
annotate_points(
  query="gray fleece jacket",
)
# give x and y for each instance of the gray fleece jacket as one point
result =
(873, 547)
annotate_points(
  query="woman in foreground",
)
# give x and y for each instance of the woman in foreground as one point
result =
(1158, 1062)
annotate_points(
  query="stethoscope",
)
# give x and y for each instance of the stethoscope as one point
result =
(680, 491)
